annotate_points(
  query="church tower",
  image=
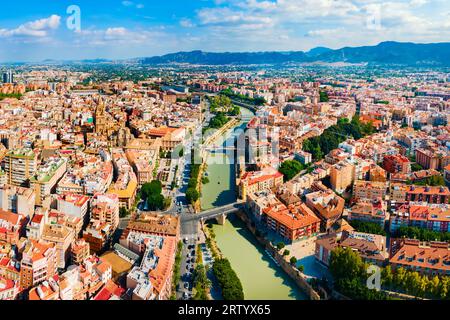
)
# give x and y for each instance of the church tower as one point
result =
(100, 118)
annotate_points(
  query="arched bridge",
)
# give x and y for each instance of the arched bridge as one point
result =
(218, 213)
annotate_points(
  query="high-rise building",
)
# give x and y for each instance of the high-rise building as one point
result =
(8, 77)
(62, 237)
(20, 165)
(45, 179)
(38, 263)
(19, 200)
(105, 208)
(341, 176)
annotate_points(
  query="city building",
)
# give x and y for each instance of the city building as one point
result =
(428, 194)
(44, 181)
(254, 181)
(75, 205)
(342, 176)
(20, 165)
(293, 222)
(12, 227)
(19, 200)
(435, 217)
(39, 263)
(105, 208)
(152, 280)
(368, 211)
(396, 164)
(430, 259)
(79, 251)
(327, 205)
(371, 247)
(62, 237)
(369, 190)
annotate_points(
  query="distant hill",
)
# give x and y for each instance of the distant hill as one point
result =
(399, 53)
(212, 58)
(317, 51)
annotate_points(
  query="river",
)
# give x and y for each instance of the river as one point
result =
(261, 278)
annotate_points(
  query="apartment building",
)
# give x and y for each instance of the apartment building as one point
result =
(126, 183)
(19, 200)
(20, 165)
(368, 211)
(153, 278)
(327, 205)
(98, 234)
(62, 237)
(75, 205)
(435, 217)
(254, 181)
(11, 227)
(369, 190)
(396, 164)
(428, 194)
(79, 251)
(431, 259)
(105, 208)
(342, 176)
(432, 158)
(39, 263)
(293, 222)
(371, 247)
(44, 181)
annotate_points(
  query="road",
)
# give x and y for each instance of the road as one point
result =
(184, 289)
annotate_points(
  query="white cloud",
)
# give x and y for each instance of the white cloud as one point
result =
(37, 28)
(186, 23)
(132, 4)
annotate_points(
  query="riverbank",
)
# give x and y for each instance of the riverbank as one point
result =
(288, 268)
(261, 277)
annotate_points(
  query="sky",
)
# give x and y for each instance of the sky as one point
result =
(114, 29)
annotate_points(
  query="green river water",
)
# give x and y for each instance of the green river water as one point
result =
(261, 278)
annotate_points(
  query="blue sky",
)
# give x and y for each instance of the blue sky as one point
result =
(35, 30)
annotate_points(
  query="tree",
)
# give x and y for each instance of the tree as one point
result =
(205, 180)
(192, 195)
(301, 268)
(286, 252)
(290, 168)
(154, 187)
(367, 227)
(155, 201)
(152, 192)
(323, 96)
(123, 212)
(387, 277)
(293, 260)
(228, 280)
(345, 263)
(280, 245)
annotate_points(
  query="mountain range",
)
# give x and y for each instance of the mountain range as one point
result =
(390, 52)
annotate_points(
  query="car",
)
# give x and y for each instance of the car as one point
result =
(192, 270)
(186, 285)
